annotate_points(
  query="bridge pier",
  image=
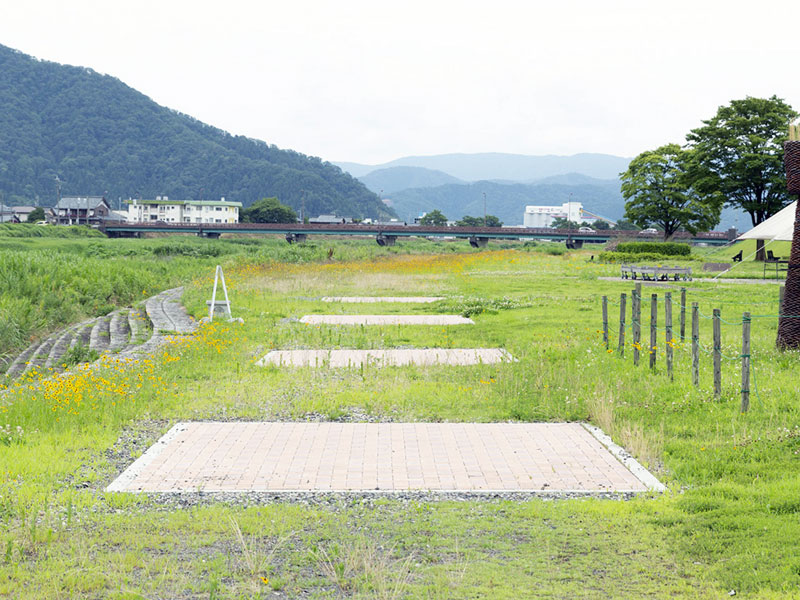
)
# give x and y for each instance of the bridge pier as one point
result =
(211, 234)
(574, 244)
(296, 238)
(386, 240)
(478, 242)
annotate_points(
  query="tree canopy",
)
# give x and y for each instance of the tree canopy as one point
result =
(491, 221)
(37, 214)
(435, 217)
(658, 192)
(268, 210)
(738, 156)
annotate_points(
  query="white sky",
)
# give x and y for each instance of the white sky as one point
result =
(372, 80)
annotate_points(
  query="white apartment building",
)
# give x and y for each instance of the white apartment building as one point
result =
(543, 216)
(182, 211)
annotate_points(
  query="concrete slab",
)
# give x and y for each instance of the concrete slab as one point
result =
(385, 357)
(381, 457)
(385, 320)
(371, 299)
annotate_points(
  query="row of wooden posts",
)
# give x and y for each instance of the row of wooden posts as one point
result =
(636, 330)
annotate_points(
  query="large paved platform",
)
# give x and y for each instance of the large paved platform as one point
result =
(388, 457)
(394, 357)
(385, 320)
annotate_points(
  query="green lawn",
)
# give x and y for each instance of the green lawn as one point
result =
(730, 519)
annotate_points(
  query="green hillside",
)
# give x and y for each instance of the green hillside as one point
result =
(102, 137)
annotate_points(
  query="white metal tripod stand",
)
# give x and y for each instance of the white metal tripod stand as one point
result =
(225, 305)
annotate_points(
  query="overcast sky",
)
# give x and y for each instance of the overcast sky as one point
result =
(370, 81)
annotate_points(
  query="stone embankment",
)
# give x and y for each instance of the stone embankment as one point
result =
(127, 332)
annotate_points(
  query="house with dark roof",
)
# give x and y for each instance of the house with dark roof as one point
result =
(81, 210)
(7, 214)
(23, 212)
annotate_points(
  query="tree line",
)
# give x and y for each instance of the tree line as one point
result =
(735, 159)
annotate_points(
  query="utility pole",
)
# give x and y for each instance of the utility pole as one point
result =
(484, 209)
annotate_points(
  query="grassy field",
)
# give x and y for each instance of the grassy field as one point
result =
(730, 520)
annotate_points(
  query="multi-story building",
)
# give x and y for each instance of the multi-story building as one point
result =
(543, 216)
(81, 210)
(182, 211)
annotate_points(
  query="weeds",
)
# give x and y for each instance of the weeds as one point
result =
(363, 566)
(79, 354)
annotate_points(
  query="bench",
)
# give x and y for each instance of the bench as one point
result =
(781, 266)
(656, 273)
(738, 257)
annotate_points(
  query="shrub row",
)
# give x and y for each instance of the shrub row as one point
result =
(637, 257)
(665, 248)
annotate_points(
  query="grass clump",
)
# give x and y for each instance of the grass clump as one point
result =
(79, 354)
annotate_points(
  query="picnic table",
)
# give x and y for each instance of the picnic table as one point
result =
(656, 273)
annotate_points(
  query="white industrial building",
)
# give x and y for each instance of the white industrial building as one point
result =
(543, 216)
(182, 211)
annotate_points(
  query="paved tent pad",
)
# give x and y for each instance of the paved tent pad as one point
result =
(372, 299)
(385, 357)
(385, 320)
(384, 457)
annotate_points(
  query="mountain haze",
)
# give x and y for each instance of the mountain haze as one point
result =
(399, 178)
(512, 167)
(100, 136)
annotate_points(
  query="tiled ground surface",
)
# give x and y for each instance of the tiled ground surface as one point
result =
(469, 457)
(385, 320)
(372, 299)
(390, 357)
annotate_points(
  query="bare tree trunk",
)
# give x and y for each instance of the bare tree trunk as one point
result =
(761, 254)
(789, 323)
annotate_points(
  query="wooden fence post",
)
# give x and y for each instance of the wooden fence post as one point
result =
(605, 321)
(683, 314)
(621, 348)
(745, 362)
(695, 344)
(668, 326)
(636, 320)
(717, 353)
(653, 329)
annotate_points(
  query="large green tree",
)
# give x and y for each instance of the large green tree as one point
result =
(658, 192)
(489, 221)
(434, 217)
(739, 156)
(268, 210)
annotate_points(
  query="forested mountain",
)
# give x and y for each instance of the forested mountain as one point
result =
(100, 136)
(510, 167)
(507, 201)
(399, 178)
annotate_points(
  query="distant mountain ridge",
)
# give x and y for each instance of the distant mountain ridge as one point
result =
(497, 165)
(100, 136)
(393, 179)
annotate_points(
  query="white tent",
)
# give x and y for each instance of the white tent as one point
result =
(779, 227)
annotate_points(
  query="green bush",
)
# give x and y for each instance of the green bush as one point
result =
(641, 257)
(665, 248)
